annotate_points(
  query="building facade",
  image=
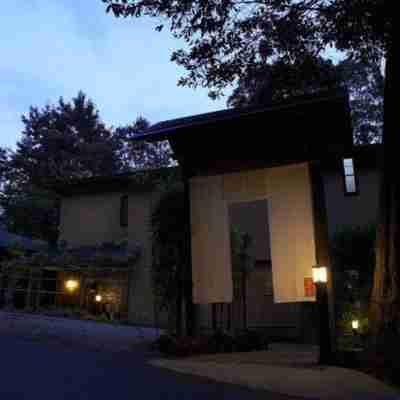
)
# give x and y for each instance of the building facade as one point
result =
(115, 210)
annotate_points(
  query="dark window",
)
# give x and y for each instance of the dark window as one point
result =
(124, 211)
(349, 176)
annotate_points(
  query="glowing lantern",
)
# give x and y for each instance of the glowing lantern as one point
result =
(320, 274)
(98, 298)
(71, 285)
(355, 324)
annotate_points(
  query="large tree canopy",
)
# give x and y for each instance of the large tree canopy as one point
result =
(59, 142)
(363, 79)
(228, 39)
(140, 154)
(66, 140)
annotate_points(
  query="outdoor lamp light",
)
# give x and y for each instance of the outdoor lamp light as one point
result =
(355, 324)
(98, 298)
(320, 274)
(71, 285)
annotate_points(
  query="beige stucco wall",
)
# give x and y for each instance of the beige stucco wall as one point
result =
(88, 220)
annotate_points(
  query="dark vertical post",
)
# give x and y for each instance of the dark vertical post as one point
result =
(214, 316)
(28, 295)
(39, 289)
(229, 317)
(82, 292)
(1, 287)
(325, 291)
(324, 335)
(244, 298)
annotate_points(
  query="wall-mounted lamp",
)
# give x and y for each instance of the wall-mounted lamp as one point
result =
(320, 274)
(71, 285)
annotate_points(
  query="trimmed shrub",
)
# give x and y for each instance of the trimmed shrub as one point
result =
(250, 340)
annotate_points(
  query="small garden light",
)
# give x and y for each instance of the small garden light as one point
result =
(71, 285)
(320, 274)
(98, 298)
(355, 324)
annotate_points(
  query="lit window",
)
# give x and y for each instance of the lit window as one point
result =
(350, 181)
(124, 211)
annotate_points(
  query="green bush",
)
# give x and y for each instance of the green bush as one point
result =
(249, 340)
(218, 342)
(353, 256)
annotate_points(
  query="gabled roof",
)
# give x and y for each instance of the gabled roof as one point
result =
(161, 130)
(299, 129)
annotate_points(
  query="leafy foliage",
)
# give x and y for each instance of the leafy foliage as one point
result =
(63, 141)
(59, 142)
(365, 82)
(272, 49)
(141, 154)
(353, 251)
(278, 81)
(218, 342)
(273, 82)
(241, 244)
(228, 39)
(168, 229)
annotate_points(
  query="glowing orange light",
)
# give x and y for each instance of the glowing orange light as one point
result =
(71, 285)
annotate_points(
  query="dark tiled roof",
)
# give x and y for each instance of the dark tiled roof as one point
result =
(105, 256)
(8, 239)
(136, 180)
(164, 127)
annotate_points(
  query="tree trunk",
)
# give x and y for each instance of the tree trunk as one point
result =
(385, 298)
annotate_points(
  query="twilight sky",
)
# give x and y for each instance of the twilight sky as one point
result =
(56, 48)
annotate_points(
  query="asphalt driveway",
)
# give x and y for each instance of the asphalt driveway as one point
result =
(50, 371)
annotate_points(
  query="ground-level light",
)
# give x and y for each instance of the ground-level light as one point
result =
(355, 324)
(71, 285)
(98, 298)
(320, 274)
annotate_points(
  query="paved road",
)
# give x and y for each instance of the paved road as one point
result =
(49, 371)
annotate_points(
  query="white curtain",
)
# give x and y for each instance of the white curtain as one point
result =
(288, 191)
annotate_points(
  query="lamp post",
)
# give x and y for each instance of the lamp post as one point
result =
(320, 278)
(72, 285)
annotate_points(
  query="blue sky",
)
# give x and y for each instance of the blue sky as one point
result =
(53, 48)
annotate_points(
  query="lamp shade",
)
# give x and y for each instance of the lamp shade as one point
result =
(355, 324)
(320, 274)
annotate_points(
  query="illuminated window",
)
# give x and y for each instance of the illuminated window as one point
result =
(124, 211)
(350, 180)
